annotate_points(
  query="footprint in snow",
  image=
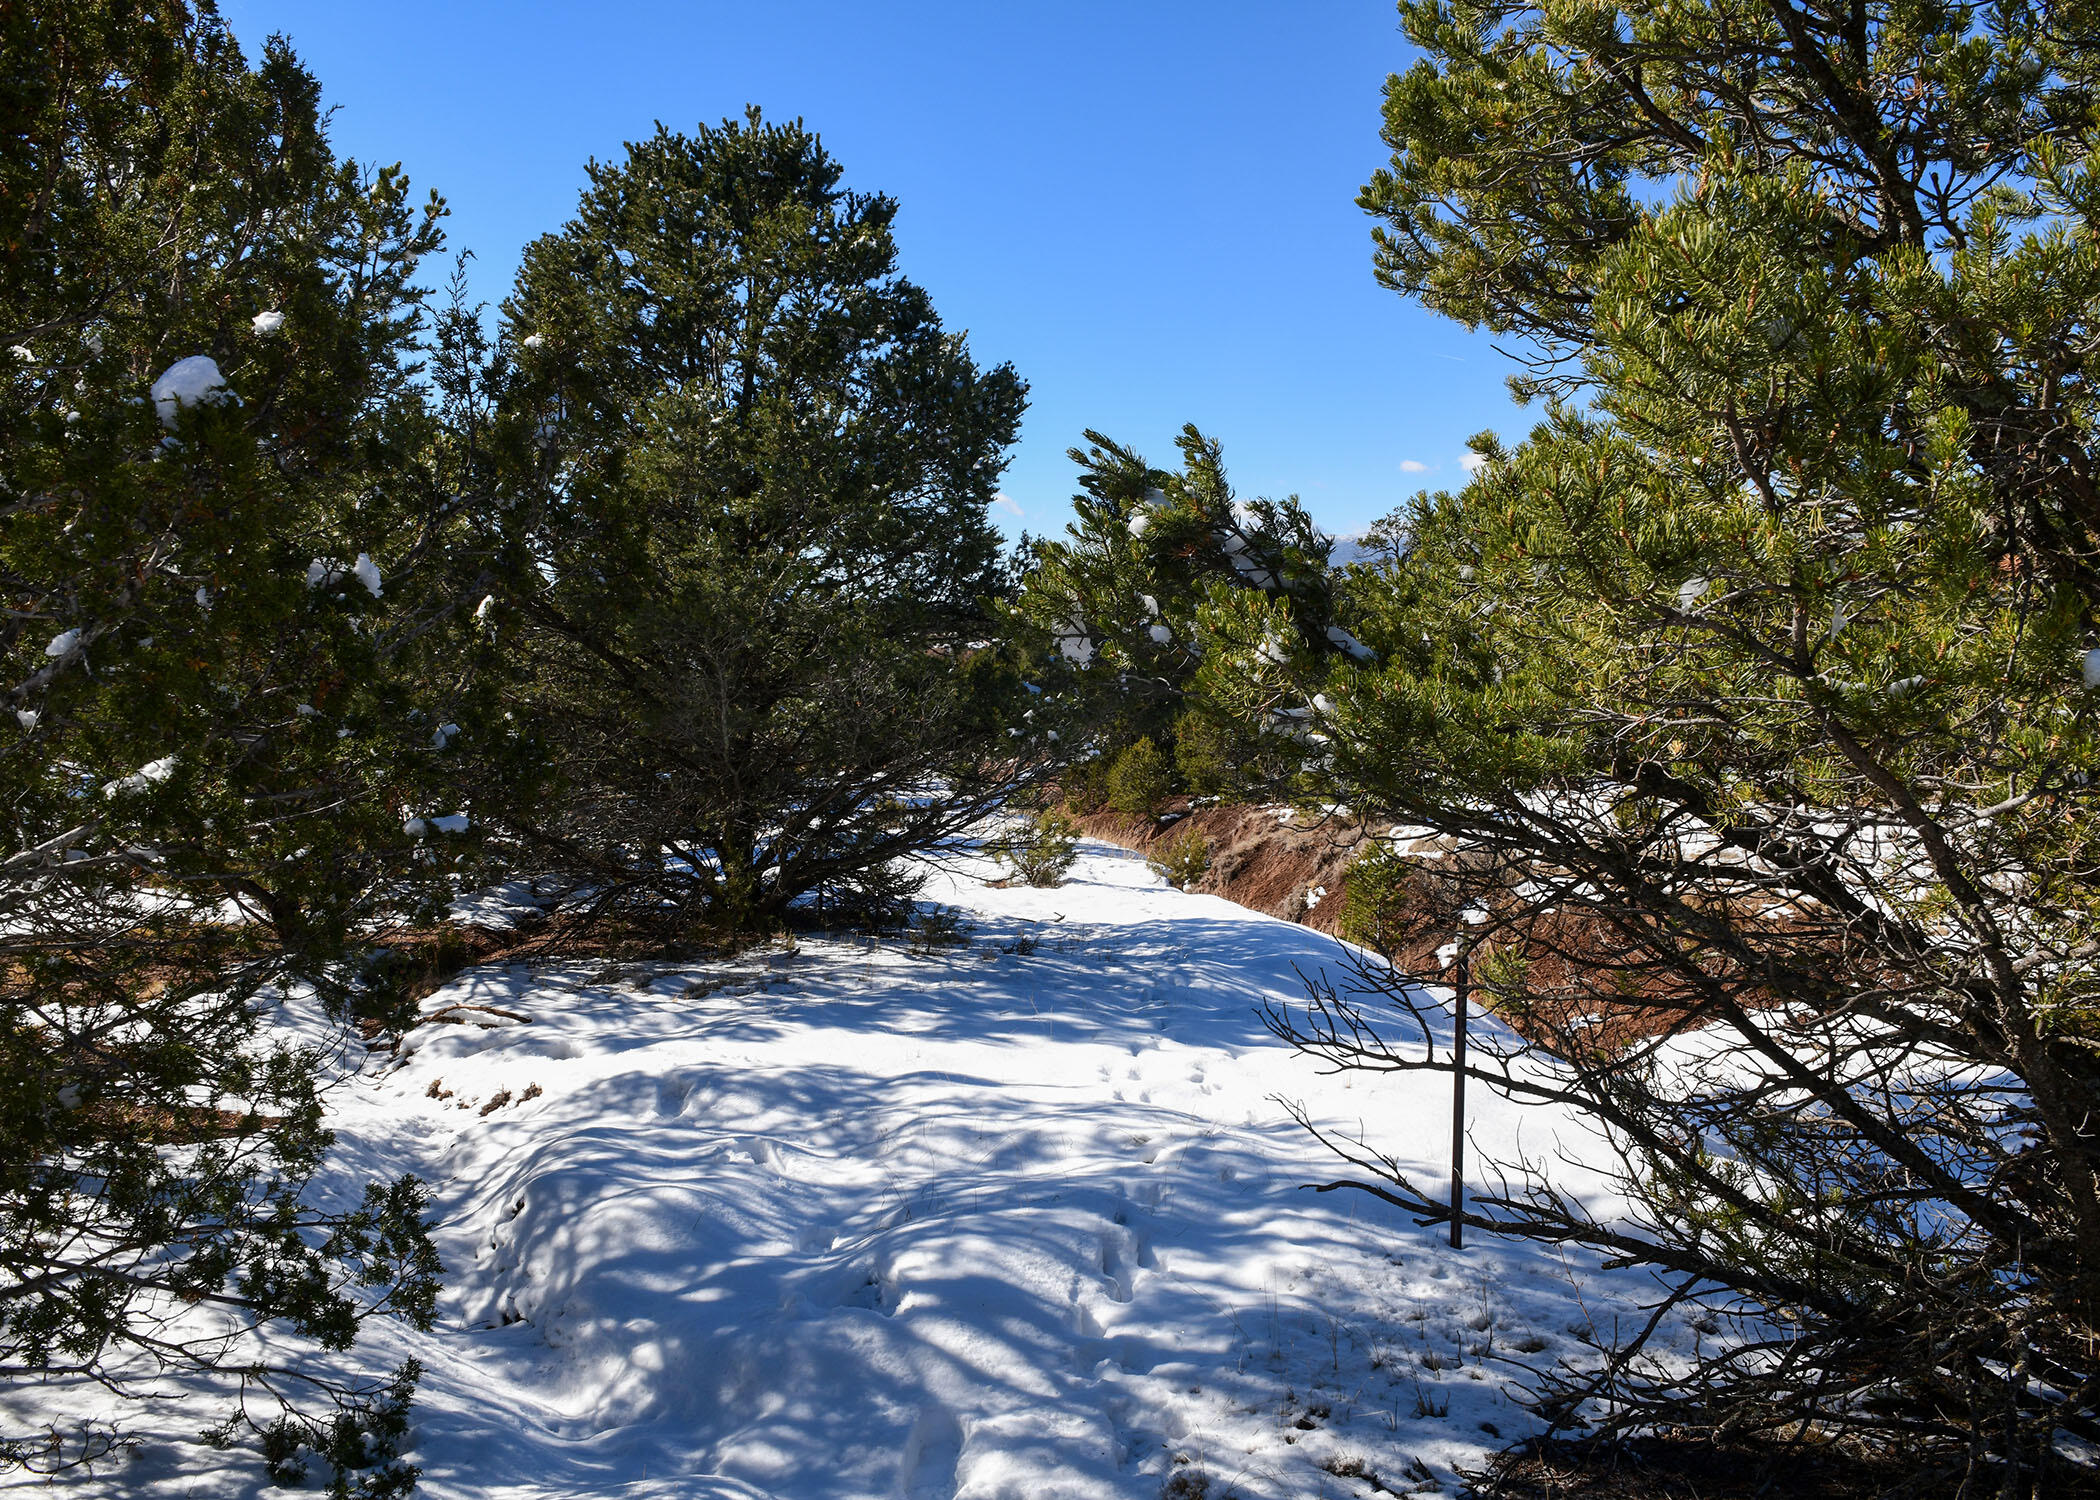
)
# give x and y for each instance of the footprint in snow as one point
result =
(871, 1287)
(927, 1467)
(1115, 1265)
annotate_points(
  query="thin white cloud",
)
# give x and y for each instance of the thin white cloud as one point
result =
(1007, 502)
(1413, 466)
(1472, 463)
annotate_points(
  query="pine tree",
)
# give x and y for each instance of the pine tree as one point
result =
(750, 472)
(209, 527)
(1156, 573)
(1759, 683)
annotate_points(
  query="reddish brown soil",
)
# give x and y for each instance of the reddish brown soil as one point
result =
(1586, 989)
(177, 1125)
(1255, 861)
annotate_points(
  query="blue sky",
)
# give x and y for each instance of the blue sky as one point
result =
(1147, 207)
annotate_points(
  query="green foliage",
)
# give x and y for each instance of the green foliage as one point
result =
(1139, 780)
(205, 689)
(939, 927)
(1501, 973)
(1040, 851)
(1085, 784)
(1182, 858)
(1380, 896)
(1207, 755)
(1122, 608)
(880, 898)
(1760, 658)
(749, 553)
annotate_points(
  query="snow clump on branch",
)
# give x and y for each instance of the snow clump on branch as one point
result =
(194, 381)
(150, 774)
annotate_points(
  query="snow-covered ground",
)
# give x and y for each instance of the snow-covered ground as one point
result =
(978, 1222)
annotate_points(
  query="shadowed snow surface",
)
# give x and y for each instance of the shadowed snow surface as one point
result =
(853, 1222)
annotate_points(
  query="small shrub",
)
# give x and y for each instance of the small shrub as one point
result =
(1500, 973)
(938, 927)
(1139, 782)
(1084, 785)
(1382, 891)
(1040, 851)
(881, 899)
(1182, 858)
(1202, 756)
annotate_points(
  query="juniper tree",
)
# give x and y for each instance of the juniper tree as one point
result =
(1158, 569)
(1758, 681)
(207, 528)
(750, 472)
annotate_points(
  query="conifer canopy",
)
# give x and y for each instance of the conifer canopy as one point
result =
(210, 545)
(1747, 689)
(750, 556)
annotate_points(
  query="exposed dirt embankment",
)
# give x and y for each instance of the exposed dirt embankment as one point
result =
(1264, 858)
(1586, 988)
